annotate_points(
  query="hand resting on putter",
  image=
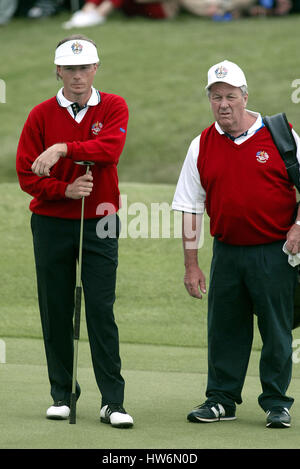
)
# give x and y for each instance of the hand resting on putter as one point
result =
(81, 187)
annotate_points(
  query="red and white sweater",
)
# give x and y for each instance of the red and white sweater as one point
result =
(249, 197)
(243, 185)
(99, 137)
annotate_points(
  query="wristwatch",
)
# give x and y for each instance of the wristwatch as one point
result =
(297, 222)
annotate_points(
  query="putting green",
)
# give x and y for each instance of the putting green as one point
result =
(162, 385)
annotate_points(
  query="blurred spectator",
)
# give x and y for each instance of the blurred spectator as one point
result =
(7, 10)
(295, 6)
(44, 8)
(282, 7)
(219, 10)
(272, 7)
(95, 12)
(229, 9)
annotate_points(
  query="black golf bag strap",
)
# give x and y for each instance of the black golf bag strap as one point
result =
(281, 133)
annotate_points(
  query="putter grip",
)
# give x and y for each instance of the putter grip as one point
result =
(77, 312)
(72, 418)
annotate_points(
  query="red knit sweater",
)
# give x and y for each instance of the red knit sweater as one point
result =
(249, 197)
(99, 137)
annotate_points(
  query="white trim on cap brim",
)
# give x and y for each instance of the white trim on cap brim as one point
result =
(237, 84)
(68, 54)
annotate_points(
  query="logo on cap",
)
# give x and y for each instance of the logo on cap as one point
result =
(221, 72)
(76, 48)
(262, 156)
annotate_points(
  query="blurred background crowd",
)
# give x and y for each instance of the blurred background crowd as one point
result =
(85, 13)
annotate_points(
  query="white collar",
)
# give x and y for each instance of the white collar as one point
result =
(64, 102)
(254, 128)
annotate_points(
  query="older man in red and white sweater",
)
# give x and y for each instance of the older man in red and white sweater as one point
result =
(78, 124)
(234, 171)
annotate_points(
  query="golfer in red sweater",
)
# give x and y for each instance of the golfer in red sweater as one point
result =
(78, 124)
(234, 171)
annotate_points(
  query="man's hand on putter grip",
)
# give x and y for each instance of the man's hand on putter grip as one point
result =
(47, 159)
(81, 187)
(194, 281)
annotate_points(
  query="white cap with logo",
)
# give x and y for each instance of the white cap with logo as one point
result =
(226, 72)
(76, 52)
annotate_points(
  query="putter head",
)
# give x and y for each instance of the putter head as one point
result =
(85, 163)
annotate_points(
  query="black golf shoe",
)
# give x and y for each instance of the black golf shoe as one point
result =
(278, 417)
(211, 412)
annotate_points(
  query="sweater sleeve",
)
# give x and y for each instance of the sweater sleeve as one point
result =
(29, 148)
(189, 194)
(107, 147)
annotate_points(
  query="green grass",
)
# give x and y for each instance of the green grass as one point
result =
(152, 304)
(160, 68)
(162, 385)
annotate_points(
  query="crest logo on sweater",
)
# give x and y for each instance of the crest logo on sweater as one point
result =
(76, 47)
(262, 156)
(221, 72)
(96, 128)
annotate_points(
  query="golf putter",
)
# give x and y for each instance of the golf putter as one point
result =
(77, 308)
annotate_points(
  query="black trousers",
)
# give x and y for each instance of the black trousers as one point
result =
(246, 280)
(56, 245)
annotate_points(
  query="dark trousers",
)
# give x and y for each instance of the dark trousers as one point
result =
(56, 244)
(246, 280)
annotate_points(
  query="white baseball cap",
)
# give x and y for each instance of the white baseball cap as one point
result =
(76, 52)
(226, 72)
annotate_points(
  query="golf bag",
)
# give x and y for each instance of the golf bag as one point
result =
(281, 133)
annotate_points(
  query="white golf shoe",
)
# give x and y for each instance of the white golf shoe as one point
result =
(58, 411)
(82, 19)
(116, 415)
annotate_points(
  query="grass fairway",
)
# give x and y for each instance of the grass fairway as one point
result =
(160, 68)
(162, 385)
(152, 304)
(163, 349)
